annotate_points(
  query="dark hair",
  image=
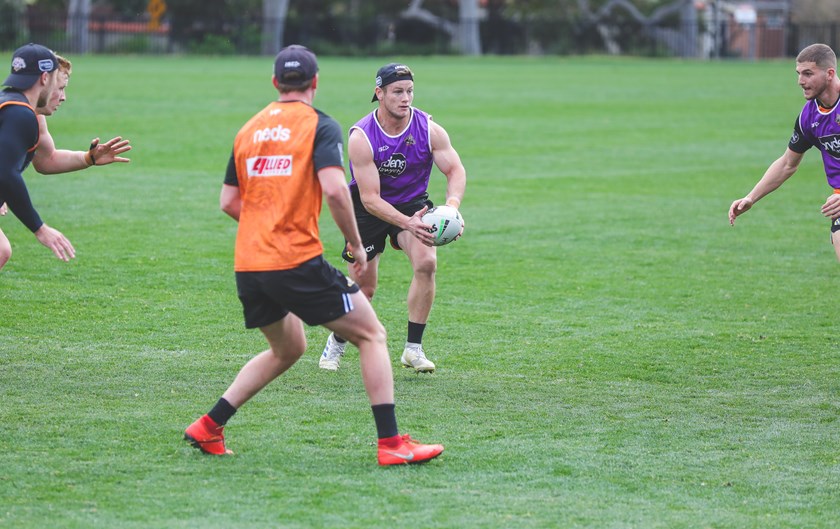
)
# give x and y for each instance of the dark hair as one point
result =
(286, 88)
(820, 54)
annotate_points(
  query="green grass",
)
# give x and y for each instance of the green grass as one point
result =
(611, 353)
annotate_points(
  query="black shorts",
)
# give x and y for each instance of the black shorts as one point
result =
(375, 231)
(315, 292)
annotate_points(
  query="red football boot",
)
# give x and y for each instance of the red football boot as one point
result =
(403, 450)
(207, 436)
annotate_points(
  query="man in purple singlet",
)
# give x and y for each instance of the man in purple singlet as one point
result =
(392, 151)
(818, 126)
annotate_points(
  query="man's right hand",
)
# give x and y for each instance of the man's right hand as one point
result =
(360, 260)
(420, 229)
(55, 241)
(739, 207)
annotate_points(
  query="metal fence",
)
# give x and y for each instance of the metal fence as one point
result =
(332, 35)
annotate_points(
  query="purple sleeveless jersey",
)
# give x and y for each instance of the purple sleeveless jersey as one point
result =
(404, 161)
(822, 130)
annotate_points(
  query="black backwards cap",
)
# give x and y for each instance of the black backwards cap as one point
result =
(391, 73)
(28, 63)
(295, 65)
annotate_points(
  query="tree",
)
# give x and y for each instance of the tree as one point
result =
(600, 20)
(274, 21)
(14, 28)
(465, 34)
(469, 27)
(78, 16)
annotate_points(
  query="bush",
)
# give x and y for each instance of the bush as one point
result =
(212, 45)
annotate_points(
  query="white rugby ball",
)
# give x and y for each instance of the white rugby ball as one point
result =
(446, 224)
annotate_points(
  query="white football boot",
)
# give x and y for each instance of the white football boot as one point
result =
(413, 356)
(332, 354)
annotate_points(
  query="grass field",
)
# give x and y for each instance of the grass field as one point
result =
(611, 353)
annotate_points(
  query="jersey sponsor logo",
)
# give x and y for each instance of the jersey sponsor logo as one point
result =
(263, 166)
(383, 148)
(831, 145)
(393, 166)
(278, 133)
(815, 124)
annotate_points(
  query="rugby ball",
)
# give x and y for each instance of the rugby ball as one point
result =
(446, 224)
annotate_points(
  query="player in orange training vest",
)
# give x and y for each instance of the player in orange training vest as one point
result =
(283, 159)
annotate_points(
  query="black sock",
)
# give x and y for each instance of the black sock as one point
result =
(415, 332)
(221, 412)
(339, 339)
(386, 420)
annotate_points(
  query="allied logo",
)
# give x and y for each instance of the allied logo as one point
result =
(393, 166)
(794, 138)
(266, 166)
(18, 64)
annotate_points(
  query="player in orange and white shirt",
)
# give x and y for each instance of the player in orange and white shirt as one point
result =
(283, 160)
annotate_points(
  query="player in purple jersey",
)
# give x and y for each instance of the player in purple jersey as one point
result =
(818, 125)
(392, 151)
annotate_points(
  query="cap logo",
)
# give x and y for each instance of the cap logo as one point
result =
(291, 64)
(378, 80)
(46, 65)
(402, 69)
(18, 64)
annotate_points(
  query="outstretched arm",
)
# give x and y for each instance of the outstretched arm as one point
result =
(779, 171)
(49, 160)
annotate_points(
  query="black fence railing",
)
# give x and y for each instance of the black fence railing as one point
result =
(333, 35)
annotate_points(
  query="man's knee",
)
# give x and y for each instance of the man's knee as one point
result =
(5, 253)
(372, 331)
(368, 290)
(426, 265)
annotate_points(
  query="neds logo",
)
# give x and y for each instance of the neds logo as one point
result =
(278, 133)
(393, 166)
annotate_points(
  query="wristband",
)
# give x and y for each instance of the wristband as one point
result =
(89, 159)
(90, 152)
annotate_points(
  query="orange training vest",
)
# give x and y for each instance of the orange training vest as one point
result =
(280, 191)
